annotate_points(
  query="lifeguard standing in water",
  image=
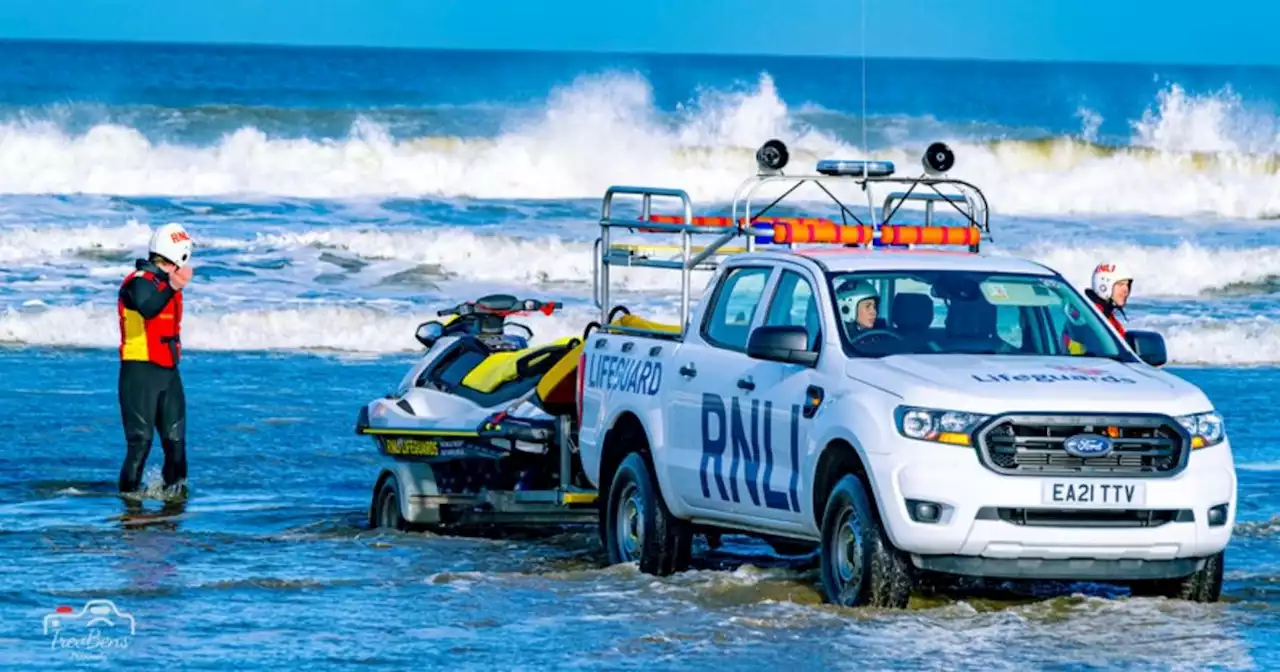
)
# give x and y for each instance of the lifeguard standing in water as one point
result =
(150, 388)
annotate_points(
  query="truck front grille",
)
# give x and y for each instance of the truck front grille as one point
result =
(1087, 518)
(1032, 445)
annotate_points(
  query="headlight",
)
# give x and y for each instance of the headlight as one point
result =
(940, 426)
(1205, 429)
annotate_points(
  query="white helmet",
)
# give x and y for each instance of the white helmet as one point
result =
(172, 242)
(850, 294)
(1107, 274)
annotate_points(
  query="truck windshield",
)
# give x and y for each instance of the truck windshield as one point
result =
(967, 312)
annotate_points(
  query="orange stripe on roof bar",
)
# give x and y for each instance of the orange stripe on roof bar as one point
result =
(930, 235)
(821, 231)
(721, 220)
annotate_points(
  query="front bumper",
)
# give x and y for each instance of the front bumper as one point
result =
(988, 524)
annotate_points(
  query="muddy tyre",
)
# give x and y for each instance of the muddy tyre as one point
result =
(639, 527)
(858, 563)
(1205, 585)
(385, 512)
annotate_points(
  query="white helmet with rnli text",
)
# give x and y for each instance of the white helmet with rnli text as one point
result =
(1107, 274)
(850, 295)
(172, 242)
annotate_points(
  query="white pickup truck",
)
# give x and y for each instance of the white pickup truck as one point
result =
(977, 416)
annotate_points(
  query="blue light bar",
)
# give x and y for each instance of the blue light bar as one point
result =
(855, 168)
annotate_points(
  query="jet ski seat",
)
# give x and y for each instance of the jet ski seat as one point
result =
(500, 368)
(550, 369)
(488, 378)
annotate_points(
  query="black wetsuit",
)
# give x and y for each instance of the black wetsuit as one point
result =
(151, 396)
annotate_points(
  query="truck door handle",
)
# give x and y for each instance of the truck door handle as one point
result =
(688, 370)
(747, 383)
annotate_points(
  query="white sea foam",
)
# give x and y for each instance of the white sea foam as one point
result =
(368, 329)
(1218, 342)
(549, 260)
(1182, 270)
(362, 329)
(606, 129)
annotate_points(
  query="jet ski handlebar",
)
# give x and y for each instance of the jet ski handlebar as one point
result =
(501, 305)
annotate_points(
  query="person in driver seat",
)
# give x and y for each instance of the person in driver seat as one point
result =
(859, 306)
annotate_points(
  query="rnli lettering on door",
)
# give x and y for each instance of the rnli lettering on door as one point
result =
(725, 429)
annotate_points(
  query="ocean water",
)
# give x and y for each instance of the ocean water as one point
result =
(338, 198)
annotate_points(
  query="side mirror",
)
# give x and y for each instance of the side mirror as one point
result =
(782, 343)
(428, 333)
(1148, 345)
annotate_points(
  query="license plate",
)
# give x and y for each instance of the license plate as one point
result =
(1089, 493)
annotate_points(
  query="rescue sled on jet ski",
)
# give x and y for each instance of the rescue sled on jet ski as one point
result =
(480, 429)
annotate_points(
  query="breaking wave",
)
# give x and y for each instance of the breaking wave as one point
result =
(374, 330)
(356, 329)
(1186, 269)
(1188, 155)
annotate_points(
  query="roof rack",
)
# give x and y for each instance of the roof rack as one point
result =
(789, 232)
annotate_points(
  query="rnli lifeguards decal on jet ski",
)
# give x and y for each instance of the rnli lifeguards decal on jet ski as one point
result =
(437, 448)
(412, 447)
(624, 374)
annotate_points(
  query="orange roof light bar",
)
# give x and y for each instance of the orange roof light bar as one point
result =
(801, 230)
(930, 235)
(818, 231)
(723, 221)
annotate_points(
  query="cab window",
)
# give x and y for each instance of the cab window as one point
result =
(734, 308)
(978, 313)
(793, 304)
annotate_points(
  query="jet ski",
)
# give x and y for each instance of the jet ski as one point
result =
(480, 429)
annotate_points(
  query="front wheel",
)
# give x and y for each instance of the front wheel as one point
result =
(859, 565)
(1205, 585)
(638, 526)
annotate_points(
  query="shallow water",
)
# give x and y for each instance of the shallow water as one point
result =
(340, 197)
(271, 563)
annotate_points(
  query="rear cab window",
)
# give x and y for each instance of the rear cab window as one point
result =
(734, 305)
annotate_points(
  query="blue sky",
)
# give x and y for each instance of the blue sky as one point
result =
(1090, 30)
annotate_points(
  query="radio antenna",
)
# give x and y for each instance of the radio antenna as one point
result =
(863, 5)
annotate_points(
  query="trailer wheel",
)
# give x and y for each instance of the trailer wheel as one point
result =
(385, 512)
(859, 565)
(639, 527)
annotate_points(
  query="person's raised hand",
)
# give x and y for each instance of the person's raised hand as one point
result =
(180, 277)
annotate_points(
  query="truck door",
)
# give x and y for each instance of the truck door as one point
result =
(717, 393)
(793, 302)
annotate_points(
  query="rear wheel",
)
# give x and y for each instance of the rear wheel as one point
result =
(385, 512)
(1205, 585)
(638, 526)
(858, 563)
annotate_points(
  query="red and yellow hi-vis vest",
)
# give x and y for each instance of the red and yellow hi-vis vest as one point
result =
(154, 340)
(1112, 319)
